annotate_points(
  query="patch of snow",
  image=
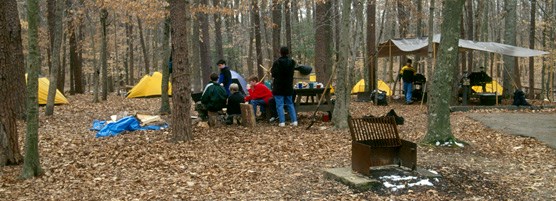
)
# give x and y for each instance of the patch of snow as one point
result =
(434, 172)
(437, 143)
(424, 182)
(459, 144)
(450, 49)
(398, 178)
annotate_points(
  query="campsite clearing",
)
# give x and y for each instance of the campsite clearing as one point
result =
(267, 163)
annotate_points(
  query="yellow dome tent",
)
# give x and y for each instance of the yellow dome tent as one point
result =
(490, 87)
(360, 87)
(149, 86)
(44, 83)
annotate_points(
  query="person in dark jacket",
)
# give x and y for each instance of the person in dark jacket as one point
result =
(225, 77)
(408, 75)
(233, 109)
(213, 98)
(282, 86)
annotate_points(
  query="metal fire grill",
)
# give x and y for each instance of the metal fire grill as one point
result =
(376, 142)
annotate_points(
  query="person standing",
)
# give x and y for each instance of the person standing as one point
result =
(259, 95)
(408, 75)
(225, 77)
(282, 86)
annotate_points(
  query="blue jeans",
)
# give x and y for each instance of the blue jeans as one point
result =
(280, 102)
(407, 87)
(258, 102)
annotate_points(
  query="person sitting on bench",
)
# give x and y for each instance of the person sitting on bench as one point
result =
(259, 95)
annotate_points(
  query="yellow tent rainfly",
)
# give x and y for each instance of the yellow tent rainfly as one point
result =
(149, 86)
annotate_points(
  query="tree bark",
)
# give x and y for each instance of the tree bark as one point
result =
(532, 27)
(181, 121)
(287, 12)
(438, 127)
(32, 165)
(323, 34)
(55, 54)
(195, 55)
(10, 69)
(371, 46)
(258, 38)
(104, 53)
(130, 39)
(206, 64)
(343, 87)
(164, 99)
(510, 39)
(143, 47)
(276, 28)
(218, 30)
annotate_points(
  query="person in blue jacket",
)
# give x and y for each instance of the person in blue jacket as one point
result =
(225, 77)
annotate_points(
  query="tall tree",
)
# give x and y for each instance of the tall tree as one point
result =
(131, 50)
(287, 13)
(258, 38)
(104, 52)
(143, 46)
(164, 99)
(323, 34)
(276, 28)
(195, 55)
(32, 164)
(11, 67)
(438, 127)
(342, 90)
(532, 27)
(510, 39)
(55, 54)
(469, 33)
(206, 64)
(371, 46)
(218, 45)
(181, 128)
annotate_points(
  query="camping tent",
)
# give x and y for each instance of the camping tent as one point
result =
(490, 87)
(236, 78)
(44, 84)
(149, 86)
(360, 87)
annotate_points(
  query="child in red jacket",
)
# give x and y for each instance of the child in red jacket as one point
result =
(259, 95)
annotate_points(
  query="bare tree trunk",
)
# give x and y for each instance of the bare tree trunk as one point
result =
(470, 32)
(164, 99)
(438, 127)
(343, 87)
(323, 34)
(11, 69)
(287, 12)
(276, 28)
(32, 164)
(532, 27)
(104, 54)
(218, 31)
(96, 67)
(55, 54)
(371, 46)
(143, 46)
(181, 121)
(510, 39)
(195, 55)
(129, 33)
(205, 43)
(258, 38)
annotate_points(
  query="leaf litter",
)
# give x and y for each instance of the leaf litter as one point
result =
(267, 162)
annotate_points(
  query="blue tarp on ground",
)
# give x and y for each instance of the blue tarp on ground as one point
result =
(128, 123)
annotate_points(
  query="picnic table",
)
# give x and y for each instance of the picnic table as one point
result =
(306, 100)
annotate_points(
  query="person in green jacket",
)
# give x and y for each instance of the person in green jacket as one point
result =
(213, 98)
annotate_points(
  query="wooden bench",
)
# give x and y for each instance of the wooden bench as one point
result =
(376, 142)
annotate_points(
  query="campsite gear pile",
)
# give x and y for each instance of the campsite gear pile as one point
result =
(379, 96)
(120, 123)
(419, 89)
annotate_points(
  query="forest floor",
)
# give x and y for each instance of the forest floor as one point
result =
(268, 162)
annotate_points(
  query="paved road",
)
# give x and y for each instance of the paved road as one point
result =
(539, 126)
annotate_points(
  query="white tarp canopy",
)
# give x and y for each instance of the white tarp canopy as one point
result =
(419, 46)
